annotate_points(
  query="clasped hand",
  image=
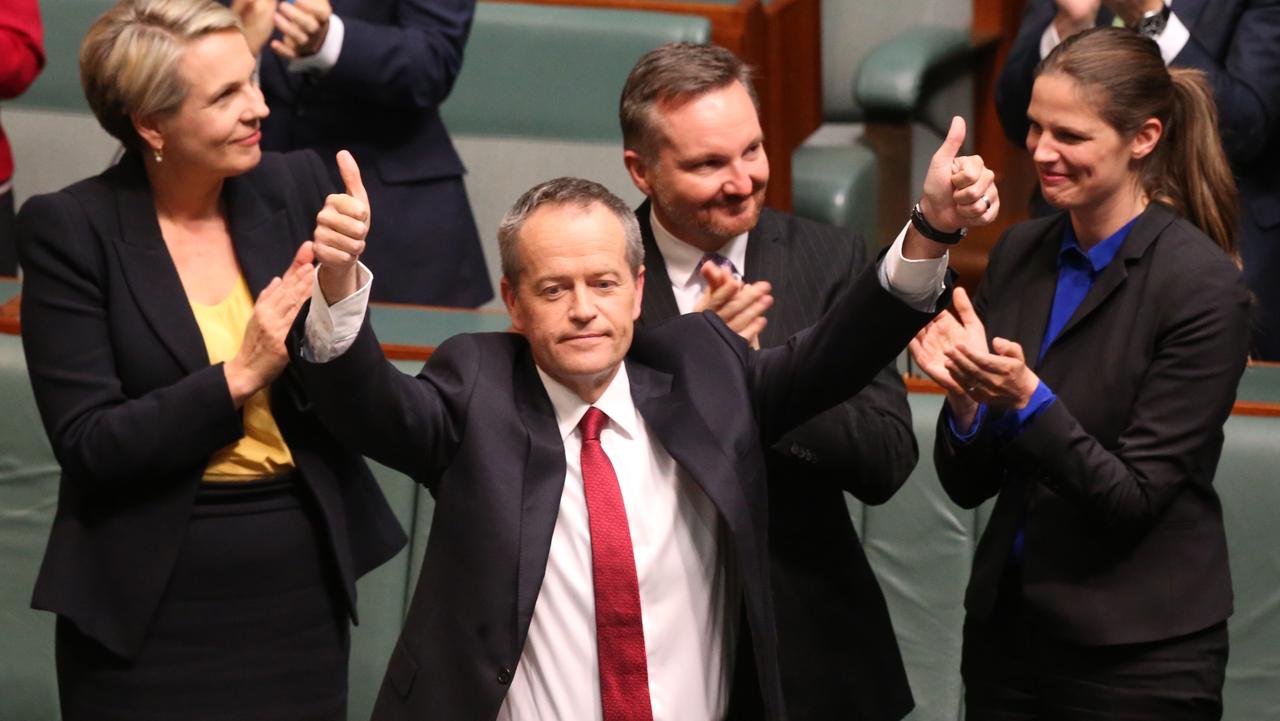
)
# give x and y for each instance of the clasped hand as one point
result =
(952, 350)
(303, 24)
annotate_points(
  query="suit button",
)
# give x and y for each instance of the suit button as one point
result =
(504, 676)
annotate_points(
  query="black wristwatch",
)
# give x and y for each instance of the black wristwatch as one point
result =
(1153, 22)
(932, 233)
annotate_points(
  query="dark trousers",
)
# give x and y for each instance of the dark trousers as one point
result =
(1015, 671)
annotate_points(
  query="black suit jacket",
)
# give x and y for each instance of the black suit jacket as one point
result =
(476, 426)
(837, 650)
(381, 101)
(131, 405)
(1124, 537)
(1234, 42)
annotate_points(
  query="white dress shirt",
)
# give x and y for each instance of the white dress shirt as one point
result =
(683, 262)
(688, 596)
(680, 566)
(1171, 40)
(323, 60)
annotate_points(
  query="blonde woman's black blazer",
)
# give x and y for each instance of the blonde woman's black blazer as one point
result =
(134, 410)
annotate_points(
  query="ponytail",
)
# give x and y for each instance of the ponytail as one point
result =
(1188, 169)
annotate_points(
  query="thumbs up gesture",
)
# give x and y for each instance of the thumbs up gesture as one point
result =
(341, 227)
(959, 191)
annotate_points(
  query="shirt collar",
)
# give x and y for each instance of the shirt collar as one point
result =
(682, 258)
(615, 402)
(1100, 255)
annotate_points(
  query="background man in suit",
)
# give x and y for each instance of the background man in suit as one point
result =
(1234, 42)
(369, 76)
(553, 573)
(694, 146)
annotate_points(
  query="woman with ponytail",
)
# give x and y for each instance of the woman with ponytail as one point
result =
(1087, 386)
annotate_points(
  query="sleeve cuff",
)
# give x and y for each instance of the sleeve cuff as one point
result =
(327, 56)
(1049, 40)
(1174, 38)
(331, 329)
(1009, 425)
(970, 434)
(918, 283)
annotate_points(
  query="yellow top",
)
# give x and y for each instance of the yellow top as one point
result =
(262, 452)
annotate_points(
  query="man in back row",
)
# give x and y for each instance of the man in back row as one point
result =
(599, 548)
(694, 145)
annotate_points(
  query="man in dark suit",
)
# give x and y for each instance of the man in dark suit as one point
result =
(369, 76)
(686, 107)
(600, 493)
(1234, 43)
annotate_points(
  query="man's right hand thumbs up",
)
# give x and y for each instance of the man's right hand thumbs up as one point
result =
(341, 227)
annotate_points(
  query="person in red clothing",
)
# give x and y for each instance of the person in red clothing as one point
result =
(21, 58)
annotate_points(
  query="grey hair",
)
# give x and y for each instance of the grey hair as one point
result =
(565, 191)
(674, 71)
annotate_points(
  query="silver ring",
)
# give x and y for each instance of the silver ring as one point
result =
(986, 200)
(971, 389)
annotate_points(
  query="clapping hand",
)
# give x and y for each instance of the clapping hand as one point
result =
(952, 350)
(256, 19)
(262, 355)
(740, 305)
(303, 25)
(341, 228)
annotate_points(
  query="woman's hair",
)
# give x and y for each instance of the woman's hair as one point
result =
(129, 59)
(1125, 79)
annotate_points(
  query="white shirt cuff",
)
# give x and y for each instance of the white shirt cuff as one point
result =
(918, 283)
(331, 329)
(1049, 40)
(1174, 38)
(1171, 41)
(327, 56)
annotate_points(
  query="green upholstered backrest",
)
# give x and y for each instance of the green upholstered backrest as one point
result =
(65, 25)
(850, 30)
(28, 498)
(838, 185)
(1249, 485)
(539, 71)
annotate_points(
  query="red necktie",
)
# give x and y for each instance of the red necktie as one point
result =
(624, 668)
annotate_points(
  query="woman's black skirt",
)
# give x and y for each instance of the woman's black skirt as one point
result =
(251, 626)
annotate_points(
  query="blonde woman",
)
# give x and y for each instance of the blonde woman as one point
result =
(209, 532)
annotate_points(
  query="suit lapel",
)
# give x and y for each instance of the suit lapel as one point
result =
(149, 270)
(1037, 297)
(688, 439)
(259, 234)
(766, 258)
(659, 302)
(543, 484)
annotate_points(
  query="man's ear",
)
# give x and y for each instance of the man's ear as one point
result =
(1146, 139)
(508, 293)
(638, 168)
(639, 301)
(148, 128)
